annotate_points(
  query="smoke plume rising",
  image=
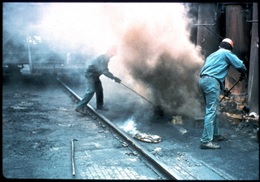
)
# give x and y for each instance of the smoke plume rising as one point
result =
(155, 54)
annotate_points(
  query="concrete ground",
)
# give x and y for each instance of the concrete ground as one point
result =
(44, 118)
(237, 159)
(38, 125)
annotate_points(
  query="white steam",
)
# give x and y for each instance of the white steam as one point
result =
(129, 126)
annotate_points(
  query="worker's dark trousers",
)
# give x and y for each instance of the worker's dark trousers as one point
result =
(211, 90)
(93, 86)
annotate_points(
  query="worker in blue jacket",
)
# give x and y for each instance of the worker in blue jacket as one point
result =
(212, 76)
(96, 68)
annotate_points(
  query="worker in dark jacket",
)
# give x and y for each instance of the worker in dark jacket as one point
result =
(212, 76)
(96, 68)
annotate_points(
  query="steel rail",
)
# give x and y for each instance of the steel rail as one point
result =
(155, 164)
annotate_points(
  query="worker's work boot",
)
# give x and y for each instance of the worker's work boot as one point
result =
(209, 145)
(80, 110)
(219, 138)
(102, 108)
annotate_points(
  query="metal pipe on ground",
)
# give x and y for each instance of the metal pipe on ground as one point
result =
(73, 156)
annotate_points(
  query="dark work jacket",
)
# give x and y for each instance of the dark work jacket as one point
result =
(98, 67)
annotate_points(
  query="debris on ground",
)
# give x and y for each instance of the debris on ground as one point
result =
(235, 116)
(176, 120)
(148, 137)
(251, 116)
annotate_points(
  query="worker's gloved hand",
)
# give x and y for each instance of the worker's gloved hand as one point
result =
(226, 92)
(117, 80)
(242, 76)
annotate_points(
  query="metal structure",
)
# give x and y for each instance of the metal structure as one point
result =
(238, 21)
(35, 56)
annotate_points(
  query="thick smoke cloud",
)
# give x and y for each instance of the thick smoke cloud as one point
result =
(158, 54)
(155, 55)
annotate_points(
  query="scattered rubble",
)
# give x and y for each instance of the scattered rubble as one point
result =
(148, 137)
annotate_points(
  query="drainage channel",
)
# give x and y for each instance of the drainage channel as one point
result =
(152, 162)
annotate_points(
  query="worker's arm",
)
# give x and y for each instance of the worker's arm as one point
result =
(108, 74)
(236, 63)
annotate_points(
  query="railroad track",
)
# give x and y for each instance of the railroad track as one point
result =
(159, 167)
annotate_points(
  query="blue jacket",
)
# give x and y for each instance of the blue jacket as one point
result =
(217, 64)
(98, 67)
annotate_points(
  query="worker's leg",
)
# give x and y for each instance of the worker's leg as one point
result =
(216, 124)
(99, 94)
(210, 87)
(88, 94)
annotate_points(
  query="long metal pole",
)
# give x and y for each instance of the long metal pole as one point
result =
(137, 93)
(72, 157)
(229, 90)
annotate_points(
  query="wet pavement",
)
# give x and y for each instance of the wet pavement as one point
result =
(39, 123)
(238, 158)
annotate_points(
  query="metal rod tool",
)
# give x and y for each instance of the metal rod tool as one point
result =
(229, 90)
(137, 93)
(73, 156)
